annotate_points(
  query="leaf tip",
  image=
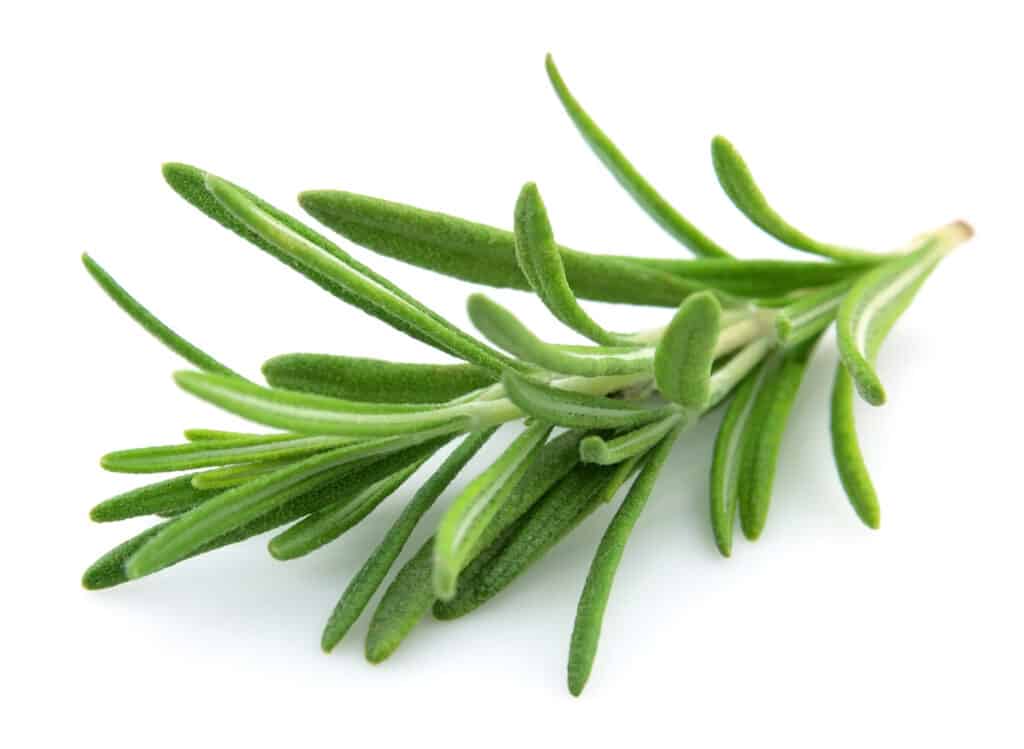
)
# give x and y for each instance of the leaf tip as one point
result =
(445, 580)
(576, 684)
(870, 388)
(378, 651)
(594, 449)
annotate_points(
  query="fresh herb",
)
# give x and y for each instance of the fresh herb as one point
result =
(356, 431)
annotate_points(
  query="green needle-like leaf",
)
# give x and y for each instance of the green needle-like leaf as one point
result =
(561, 510)
(578, 410)
(483, 254)
(235, 475)
(151, 323)
(328, 524)
(316, 414)
(411, 593)
(217, 453)
(234, 508)
(215, 435)
(541, 263)
(594, 598)
(683, 359)
(403, 604)
(877, 300)
(505, 331)
(853, 473)
(374, 380)
(739, 185)
(727, 462)
(626, 174)
(369, 578)
(108, 570)
(812, 313)
(486, 255)
(597, 449)
(756, 278)
(363, 288)
(164, 496)
(463, 525)
(772, 405)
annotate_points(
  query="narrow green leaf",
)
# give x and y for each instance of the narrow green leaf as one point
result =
(217, 453)
(369, 578)
(626, 174)
(727, 462)
(329, 523)
(541, 263)
(403, 604)
(756, 278)
(234, 475)
(484, 254)
(683, 359)
(234, 508)
(578, 410)
(411, 593)
(151, 323)
(739, 185)
(812, 313)
(853, 473)
(505, 331)
(214, 435)
(363, 288)
(877, 300)
(730, 374)
(560, 511)
(374, 380)
(597, 449)
(317, 414)
(594, 598)
(463, 524)
(777, 397)
(108, 570)
(164, 496)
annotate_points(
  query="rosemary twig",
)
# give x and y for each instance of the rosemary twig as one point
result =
(355, 431)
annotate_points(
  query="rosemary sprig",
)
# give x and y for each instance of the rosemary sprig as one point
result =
(355, 431)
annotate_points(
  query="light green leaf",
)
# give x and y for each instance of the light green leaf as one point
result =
(150, 322)
(369, 578)
(594, 598)
(330, 522)
(727, 461)
(739, 185)
(877, 300)
(486, 255)
(770, 413)
(597, 449)
(626, 174)
(464, 523)
(541, 263)
(374, 380)
(316, 414)
(683, 359)
(505, 331)
(220, 452)
(853, 473)
(561, 510)
(236, 507)
(810, 314)
(578, 410)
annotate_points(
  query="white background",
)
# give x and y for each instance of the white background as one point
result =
(865, 123)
